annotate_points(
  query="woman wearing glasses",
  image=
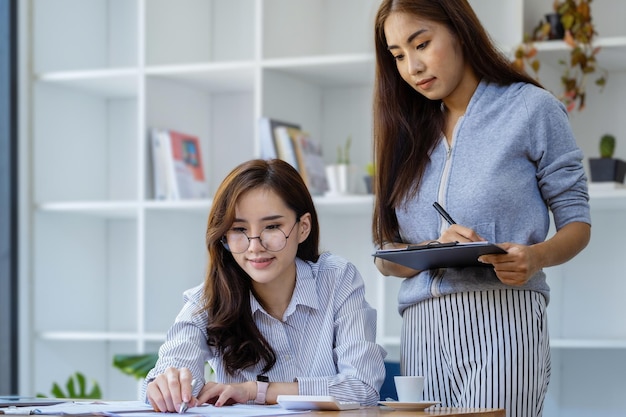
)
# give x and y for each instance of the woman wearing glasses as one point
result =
(274, 316)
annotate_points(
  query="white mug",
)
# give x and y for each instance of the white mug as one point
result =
(410, 389)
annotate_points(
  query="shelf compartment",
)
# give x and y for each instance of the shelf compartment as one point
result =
(85, 35)
(199, 31)
(170, 271)
(84, 146)
(85, 266)
(223, 122)
(320, 108)
(319, 26)
(56, 361)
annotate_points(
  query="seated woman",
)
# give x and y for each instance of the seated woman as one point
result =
(273, 316)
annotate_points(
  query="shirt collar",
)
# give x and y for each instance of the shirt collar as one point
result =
(304, 294)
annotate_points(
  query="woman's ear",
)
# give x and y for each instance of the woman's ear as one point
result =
(305, 227)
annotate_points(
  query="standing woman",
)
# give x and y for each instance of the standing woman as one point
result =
(274, 316)
(454, 123)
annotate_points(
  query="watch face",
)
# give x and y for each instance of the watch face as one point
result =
(262, 378)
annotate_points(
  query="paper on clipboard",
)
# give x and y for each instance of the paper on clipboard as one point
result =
(440, 255)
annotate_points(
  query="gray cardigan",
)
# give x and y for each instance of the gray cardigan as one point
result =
(513, 159)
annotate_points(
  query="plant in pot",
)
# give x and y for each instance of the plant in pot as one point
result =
(338, 174)
(578, 32)
(606, 168)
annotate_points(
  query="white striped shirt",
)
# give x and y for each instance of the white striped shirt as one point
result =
(326, 340)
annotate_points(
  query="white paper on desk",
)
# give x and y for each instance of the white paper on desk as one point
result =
(237, 410)
(241, 410)
(140, 409)
(83, 407)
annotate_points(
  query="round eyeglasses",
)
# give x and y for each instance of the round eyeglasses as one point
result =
(271, 238)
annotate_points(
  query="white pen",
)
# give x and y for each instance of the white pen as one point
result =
(185, 404)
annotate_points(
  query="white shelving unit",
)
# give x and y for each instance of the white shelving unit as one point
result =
(104, 265)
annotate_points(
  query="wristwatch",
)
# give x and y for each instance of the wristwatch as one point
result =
(262, 382)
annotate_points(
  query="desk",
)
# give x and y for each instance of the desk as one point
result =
(433, 411)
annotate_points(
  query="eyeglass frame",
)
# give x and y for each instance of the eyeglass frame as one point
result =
(224, 241)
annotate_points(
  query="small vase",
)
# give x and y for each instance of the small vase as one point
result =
(338, 177)
(369, 184)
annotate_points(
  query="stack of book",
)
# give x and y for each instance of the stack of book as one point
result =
(287, 141)
(177, 166)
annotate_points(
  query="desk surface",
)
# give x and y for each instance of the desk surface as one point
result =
(432, 411)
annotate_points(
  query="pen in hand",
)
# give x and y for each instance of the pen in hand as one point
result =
(443, 213)
(185, 404)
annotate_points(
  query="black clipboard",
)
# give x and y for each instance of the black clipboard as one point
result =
(440, 255)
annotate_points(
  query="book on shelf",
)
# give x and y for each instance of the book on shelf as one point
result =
(311, 162)
(178, 172)
(305, 154)
(267, 127)
(286, 146)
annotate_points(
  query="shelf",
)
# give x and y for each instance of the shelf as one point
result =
(327, 70)
(587, 344)
(339, 204)
(199, 206)
(119, 82)
(554, 343)
(105, 209)
(345, 204)
(606, 197)
(611, 57)
(102, 336)
(211, 77)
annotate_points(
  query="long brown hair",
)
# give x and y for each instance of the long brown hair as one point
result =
(407, 125)
(227, 287)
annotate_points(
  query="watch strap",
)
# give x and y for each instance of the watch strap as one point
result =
(262, 382)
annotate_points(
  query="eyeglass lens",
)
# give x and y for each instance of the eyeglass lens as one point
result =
(271, 238)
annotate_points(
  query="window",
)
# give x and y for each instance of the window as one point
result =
(8, 197)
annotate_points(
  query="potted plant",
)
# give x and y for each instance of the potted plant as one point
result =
(76, 386)
(578, 33)
(338, 174)
(606, 168)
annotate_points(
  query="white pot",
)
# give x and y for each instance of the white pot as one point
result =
(338, 177)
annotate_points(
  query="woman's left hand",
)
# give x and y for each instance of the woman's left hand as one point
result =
(515, 267)
(226, 394)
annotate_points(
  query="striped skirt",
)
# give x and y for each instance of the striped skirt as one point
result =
(480, 349)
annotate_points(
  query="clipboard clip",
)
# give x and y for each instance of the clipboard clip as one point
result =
(433, 244)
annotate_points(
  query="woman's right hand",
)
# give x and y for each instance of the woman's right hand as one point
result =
(458, 233)
(167, 391)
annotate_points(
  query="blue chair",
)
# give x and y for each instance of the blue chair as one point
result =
(388, 390)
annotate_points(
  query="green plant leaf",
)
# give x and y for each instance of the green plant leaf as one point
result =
(71, 389)
(76, 379)
(135, 365)
(57, 392)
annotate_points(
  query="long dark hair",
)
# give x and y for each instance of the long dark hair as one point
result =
(227, 287)
(407, 125)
